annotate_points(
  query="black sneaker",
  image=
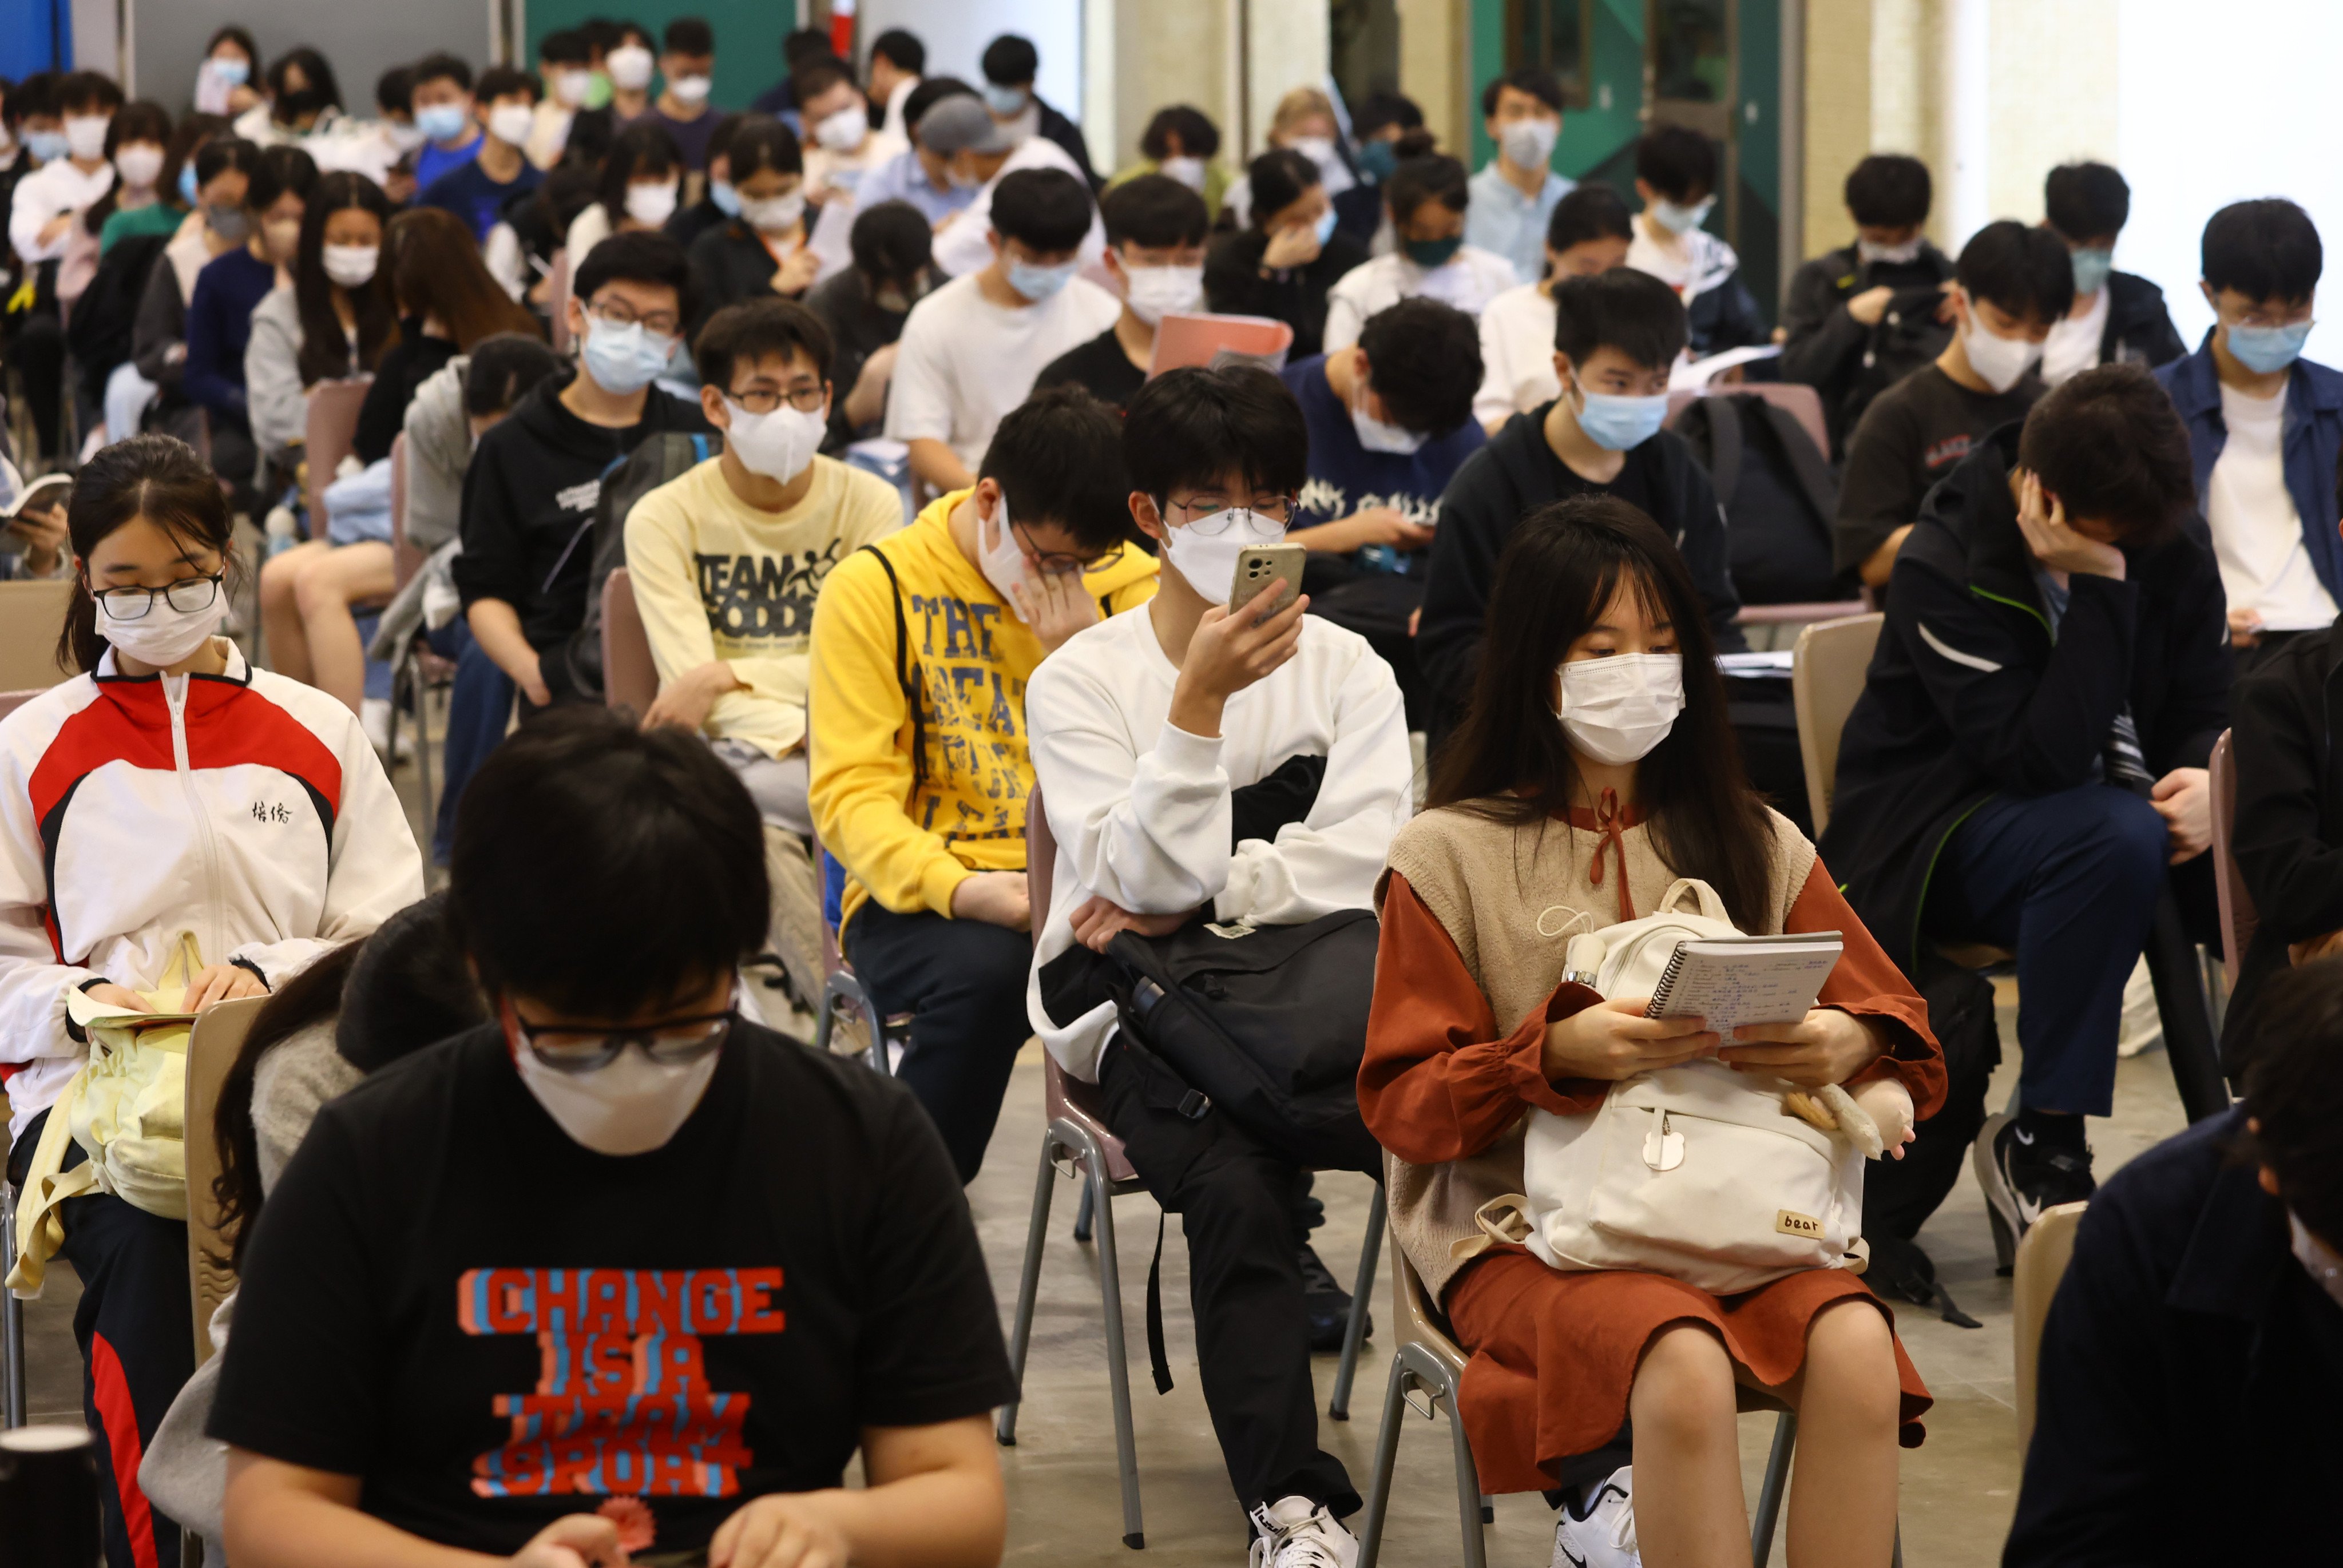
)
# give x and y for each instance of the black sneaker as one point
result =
(2022, 1178)
(1328, 1302)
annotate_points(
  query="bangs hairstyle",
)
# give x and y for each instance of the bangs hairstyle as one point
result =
(1509, 760)
(2109, 443)
(1628, 310)
(642, 151)
(2294, 1090)
(760, 142)
(325, 354)
(1197, 135)
(1593, 211)
(1677, 162)
(1197, 425)
(1057, 459)
(2265, 249)
(760, 329)
(501, 369)
(1047, 211)
(158, 477)
(2086, 201)
(1280, 178)
(1889, 190)
(582, 814)
(1154, 212)
(1432, 176)
(890, 243)
(2023, 270)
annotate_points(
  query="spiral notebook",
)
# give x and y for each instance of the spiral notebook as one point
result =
(1734, 980)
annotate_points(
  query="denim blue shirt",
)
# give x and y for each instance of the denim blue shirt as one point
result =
(1500, 218)
(901, 178)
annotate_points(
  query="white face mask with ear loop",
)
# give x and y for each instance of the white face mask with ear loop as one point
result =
(1002, 558)
(163, 636)
(1617, 708)
(629, 1105)
(780, 444)
(2000, 362)
(1208, 562)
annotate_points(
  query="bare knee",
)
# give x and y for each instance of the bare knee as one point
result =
(316, 588)
(280, 576)
(1850, 1366)
(1684, 1388)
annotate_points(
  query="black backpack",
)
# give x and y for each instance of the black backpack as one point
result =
(1908, 337)
(1778, 494)
(669, 454)
(1266, 1024)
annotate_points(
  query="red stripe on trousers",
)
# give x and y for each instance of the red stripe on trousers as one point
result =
(111, 1392)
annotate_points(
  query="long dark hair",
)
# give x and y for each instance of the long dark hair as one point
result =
(325, 350)
(309, 998)
(158, 478)
(645, 148)
(1511, 759)
(436, 270)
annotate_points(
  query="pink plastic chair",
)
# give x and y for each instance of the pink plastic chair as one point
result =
(332, 431)
(2238, 919)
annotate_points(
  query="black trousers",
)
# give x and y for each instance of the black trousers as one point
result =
(38, 352)
(1235, 1198)
(963, 983)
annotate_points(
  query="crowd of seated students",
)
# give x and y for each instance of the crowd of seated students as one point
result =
(862, 396)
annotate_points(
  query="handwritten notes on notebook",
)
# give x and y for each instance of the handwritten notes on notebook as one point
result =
(1732, 980)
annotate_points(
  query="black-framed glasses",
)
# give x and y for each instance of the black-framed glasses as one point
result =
(617, 313)
(1211, 513)
(671, 1043)
(805, 398)
(186, 596)
(1060, 564)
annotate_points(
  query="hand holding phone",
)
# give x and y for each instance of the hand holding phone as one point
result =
(1259, 566)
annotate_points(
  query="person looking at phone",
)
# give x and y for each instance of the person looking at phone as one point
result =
(1212, 756)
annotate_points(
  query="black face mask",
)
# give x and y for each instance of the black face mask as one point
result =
(294, 107)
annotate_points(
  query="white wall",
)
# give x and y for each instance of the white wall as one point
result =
(956, 32)
(2192, 142)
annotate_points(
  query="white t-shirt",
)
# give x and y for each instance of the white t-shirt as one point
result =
(2256, 531)
(964, 361)
(1468, 280)
(1141, 807)
(1516, 354)
(960, 247)
(2073, 345)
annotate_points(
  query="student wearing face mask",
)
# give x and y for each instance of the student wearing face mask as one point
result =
(562, 67)
(2265, 426)
(1589, 233)
(1155, 249)
(303, 100)
(335, 319)
(923, 175)
(382, 1323)
(920, 778)
(982, 154)
(865, 307)
(1285, 263)
(74, 174)
(971, 349)
(1010, 64)
(144, 197)
(1615, 334)
(530, 493)
(1515, 194)
(686, 72)
(230, 289)
(101, 283)
(2117, 317)
(640, 190)
(760, 252)
(628, 64)
(1426, 198)
(1862, 317)
(2013, 283)
(1202, 764)
(1597, 766)
(224, 82)
(840, 146)
(498, 174)
(1676, 175)
(221, 171)
(276, 837)
(442, 89)
(1180, 141)
(719, 199)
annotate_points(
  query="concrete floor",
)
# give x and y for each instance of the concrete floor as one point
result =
(1959, 1489)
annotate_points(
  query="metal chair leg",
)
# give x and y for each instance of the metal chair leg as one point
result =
(12, 1318)
(1083, 1216)
(1769, 1496)
(1360, 1290)
(1468, 1485)
(421, 687)
(1028, 1284)
(1118, 1365)
(2189, 1043)
(1371, 1539)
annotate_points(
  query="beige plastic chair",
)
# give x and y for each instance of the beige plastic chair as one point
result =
(212, 1048)
(2238, 921)
(557, 300)
(629, 676)
(332, 430)
(2042, 1259)
(30, 616)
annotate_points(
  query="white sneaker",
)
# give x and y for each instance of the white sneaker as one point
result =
(1295, 1532)
(374, 718)
(1602, 1534)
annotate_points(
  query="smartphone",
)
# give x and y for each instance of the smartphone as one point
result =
(1258, 566)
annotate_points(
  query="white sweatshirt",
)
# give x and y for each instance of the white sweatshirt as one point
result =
(1140, 808)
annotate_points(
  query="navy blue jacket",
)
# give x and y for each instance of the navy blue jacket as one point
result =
(2312, 441)
(2190, 1374)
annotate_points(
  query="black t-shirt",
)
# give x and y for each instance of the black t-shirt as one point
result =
(494, 1326)
(1632, 484)
(1912, 435)
(1100, 365)
(414, 359)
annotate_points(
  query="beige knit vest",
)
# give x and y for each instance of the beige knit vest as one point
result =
(1506, 896)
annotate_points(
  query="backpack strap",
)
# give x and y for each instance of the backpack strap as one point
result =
(1807, 464)
(1724, 443)
(903, 669)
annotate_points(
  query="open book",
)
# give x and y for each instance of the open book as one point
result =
(1732, 980)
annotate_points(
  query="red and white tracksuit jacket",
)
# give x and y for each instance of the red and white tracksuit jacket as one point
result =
(243, 806)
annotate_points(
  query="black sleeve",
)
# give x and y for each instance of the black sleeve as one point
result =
(2196, 707)
(1823, 338)
(494, 561)
(1736, 324)
(161, 326)
(1258, 810)
(1880, 489)
(1473, 524)
(304, 1366)
(1234, 284)
(930, 1349)
(382, 414)
(2163, 341)
(1699, 530)
(2281, 841)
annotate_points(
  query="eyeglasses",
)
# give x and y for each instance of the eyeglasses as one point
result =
(186, 596)
(673, 1042)
(617, 313)
(1058, 564)
(805, 398)
(1211, 513)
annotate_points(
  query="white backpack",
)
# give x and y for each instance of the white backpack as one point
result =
(1698, 1173)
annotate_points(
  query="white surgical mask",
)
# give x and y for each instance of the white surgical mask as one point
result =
(624, 360)
(140, 165)
(1616, 709)
(1208, 562)
(843, 131)
(1000, 559)
(510, 123)
(352, 265)
(442, 122)
(778, 444)
(632, 1105)
(1891, 255)
(630, 68)
(1679, 219)
(649, 203)
(773, 215)
(1528, 144)
(569, 86)
(2316, 1258)
(1154, 292)
(86, 135)
(689, 89)
(405, 138)
(1188, 171)
(1380, 435)
(1319, 150)
(2000, 362)
(163, 636)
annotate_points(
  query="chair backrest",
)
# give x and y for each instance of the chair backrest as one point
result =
(1827, 669)
(2043, 1255)
(405, 560)
(1040, 860)
(1802, 403)
(30, 616)
(1061, 1095)
(629, 678)
(557, 300)
(2238, 921)
(212, 1048)
(333, 430)
(1418, 1319)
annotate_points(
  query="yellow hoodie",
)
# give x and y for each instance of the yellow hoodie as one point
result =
(968, 656)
